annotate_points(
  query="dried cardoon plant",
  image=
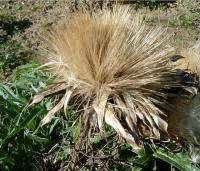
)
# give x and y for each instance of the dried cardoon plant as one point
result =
(114, 68)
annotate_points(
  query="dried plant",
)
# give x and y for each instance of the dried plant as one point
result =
(114, 68)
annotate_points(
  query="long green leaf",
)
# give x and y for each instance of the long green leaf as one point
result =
(22, 125)
(179, 161)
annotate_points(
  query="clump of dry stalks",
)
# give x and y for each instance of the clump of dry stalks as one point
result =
(115, 69)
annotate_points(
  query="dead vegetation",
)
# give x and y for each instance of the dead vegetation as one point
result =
(115, 70)
(97, 87)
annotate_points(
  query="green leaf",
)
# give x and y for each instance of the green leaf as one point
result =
(56, 120)
(145, 157)
(37, 138)
(22, 125)
(178, 160)
(10, 94)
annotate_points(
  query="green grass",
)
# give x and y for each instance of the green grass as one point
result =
(19, 143)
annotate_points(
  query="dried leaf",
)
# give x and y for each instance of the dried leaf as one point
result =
(69, 94)
(51, 113)
(162, 125)
(111, 120)
(51, 90)
(99, 107)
